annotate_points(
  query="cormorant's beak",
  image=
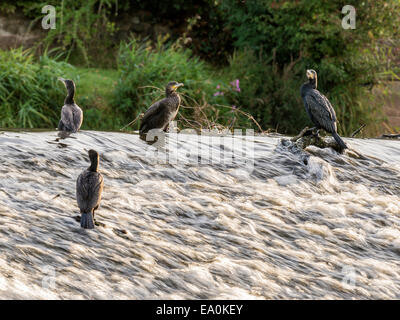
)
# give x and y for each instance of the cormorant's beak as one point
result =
(62, 80)
(310, 75)
(177, 86)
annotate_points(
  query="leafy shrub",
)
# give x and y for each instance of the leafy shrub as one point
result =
(145, 71)
(270, 95)
(29, 94)
(348, 62)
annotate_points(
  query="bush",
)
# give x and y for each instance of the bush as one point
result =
(208, 97)
(29, 94)
(270, 95)
(348, 62)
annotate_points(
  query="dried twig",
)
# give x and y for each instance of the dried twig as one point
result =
(159, 89)
(248, 115)
(388, 127)
(301, 134)
(132, 122)
(357, 131)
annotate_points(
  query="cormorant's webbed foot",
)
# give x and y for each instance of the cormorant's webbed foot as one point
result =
(63, 134)
(316, 133)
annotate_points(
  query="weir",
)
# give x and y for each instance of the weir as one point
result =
(297, 224)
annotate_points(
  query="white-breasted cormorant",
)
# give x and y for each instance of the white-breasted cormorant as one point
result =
(71, 114)
(89, 187)
(318, 108)
(162, 112)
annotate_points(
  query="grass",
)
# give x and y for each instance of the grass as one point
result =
(28, 91)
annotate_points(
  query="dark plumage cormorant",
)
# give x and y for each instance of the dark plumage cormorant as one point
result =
(89, 187)
(71, 114)
(318, 108)
(162, 112)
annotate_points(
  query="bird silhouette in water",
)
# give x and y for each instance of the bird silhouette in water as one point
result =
(319, 109)
(162, 112)
(89, 187)
(71, 113)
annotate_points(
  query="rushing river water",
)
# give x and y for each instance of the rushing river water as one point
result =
(274, 223)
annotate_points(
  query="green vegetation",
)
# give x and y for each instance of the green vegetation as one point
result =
(28, 91)
(207, 95)
(95, 93)
(110, 98)
(236, 58)
(292, 36)
(83, 29)
(31, 96)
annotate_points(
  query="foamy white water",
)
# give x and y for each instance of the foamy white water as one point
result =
(289, 225)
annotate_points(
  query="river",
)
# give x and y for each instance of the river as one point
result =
(263, 221)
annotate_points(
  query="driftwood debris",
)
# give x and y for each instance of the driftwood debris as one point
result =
(391, 136)
(306, 138)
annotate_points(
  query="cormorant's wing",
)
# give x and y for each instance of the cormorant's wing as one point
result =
(77, 115)
(67, 118)
(71, 116)
(151, 116)
(328, 104)
(89, 187)
(321, 110)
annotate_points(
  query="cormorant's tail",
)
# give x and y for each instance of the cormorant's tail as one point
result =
(87, 220)
(339, 140)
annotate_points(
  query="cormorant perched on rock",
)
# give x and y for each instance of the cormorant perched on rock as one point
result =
(71, 114)
(89, 187)
(162, 112)
(318, 108)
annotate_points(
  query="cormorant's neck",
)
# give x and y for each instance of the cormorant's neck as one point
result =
(306, 87)
(70, 97)
(171, 94)
(313, 83)
(94, 165)
(310, 84)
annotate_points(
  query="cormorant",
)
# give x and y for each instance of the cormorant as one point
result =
(89, 187)
(318, 108)
(162, 112)
(71, 114)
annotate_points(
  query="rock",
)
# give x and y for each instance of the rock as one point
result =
(16, 31)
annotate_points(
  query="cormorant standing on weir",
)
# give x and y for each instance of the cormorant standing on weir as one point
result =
(162, 112)
(319, 109)
(89, 187)
(71, 114)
